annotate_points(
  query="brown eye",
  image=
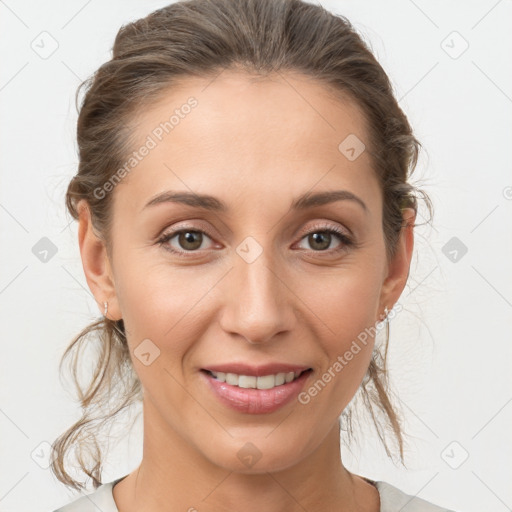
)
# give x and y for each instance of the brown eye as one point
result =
(320, 240)
(190, 240)
(183, 241)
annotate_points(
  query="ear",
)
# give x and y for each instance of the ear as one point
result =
(399, 266)
(97, 268)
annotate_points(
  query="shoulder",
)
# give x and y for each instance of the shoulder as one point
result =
(393, 499)
(101, 499)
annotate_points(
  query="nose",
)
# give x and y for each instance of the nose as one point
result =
(259, 302)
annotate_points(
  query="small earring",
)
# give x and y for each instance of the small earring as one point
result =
(106, 308)
(385, 315)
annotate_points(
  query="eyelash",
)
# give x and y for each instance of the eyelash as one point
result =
(346, 241)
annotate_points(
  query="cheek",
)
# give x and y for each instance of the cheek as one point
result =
(343, 306)
(347, 345)
(166, 305)
(345, 301)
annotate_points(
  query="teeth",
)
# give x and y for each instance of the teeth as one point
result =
(250, 381)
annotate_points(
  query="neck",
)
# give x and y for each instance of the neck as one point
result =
(173, 475)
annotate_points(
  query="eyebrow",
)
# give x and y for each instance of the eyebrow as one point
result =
(211, 203)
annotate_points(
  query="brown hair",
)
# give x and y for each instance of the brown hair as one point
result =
(201, 38)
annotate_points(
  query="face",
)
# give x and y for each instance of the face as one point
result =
(250, 276)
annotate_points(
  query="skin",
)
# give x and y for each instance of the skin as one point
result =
(256, 145)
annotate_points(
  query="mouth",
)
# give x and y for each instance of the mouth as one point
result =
(252, 394)
(269, 381)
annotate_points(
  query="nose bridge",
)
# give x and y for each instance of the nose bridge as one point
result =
(258, 304)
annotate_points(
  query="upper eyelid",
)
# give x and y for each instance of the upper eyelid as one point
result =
(320, 224)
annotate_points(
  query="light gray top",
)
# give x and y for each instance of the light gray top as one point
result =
(392, 499)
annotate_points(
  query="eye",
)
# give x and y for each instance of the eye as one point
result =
(188, 240)
(321, 237)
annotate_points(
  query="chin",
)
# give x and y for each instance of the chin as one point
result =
(255, 454)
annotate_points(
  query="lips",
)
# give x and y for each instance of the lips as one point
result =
(256, 371)
(248, 400)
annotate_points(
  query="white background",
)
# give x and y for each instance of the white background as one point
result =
(450, 350)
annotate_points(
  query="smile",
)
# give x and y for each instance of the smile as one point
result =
(252, 394)
(251, 381)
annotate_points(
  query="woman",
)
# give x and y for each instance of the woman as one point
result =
(246, 226)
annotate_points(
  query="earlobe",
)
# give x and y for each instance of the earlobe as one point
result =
(95, 263)
(399, 266)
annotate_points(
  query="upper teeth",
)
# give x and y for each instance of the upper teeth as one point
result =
(250, 381)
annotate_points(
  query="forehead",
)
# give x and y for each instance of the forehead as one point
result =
(246, 135)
